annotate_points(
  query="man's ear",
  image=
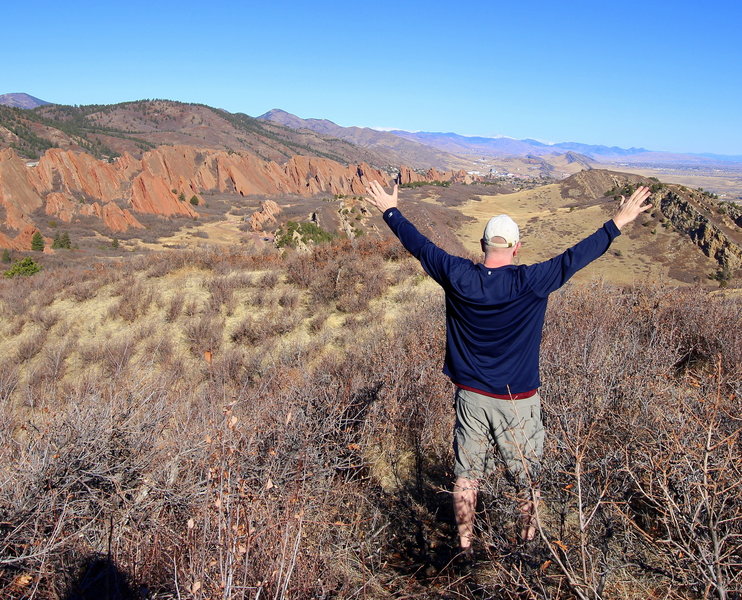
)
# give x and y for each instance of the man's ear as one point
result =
(516, 249)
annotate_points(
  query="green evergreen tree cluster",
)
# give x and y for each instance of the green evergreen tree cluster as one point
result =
(62, 241)
(24, 267)
(194, 200)
(6, 255)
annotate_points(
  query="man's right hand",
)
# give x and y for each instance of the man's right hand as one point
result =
(379, 198)
(630, 209)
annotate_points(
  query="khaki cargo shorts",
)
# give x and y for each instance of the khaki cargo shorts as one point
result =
(513, 427)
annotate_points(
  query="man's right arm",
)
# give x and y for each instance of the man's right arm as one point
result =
(436, 262)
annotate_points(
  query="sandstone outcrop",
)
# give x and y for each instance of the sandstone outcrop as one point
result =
(115, 218)
(407, 175)
(65, 209)
(266, 215)
(68, 184)
(17, 196)
(708, 236)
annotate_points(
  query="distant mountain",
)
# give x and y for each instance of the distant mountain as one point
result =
(417, 154)
(21, 100)
(595, 151)
(455, 143)
(506, 146)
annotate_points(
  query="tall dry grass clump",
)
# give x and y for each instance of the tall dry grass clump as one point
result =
(235, 425)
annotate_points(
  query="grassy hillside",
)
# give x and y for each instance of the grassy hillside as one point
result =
(215, 423)
(109, 130)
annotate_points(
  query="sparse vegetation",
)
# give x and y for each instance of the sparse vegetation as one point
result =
(306, 232)
(418, 184)
(62, 241)
(300, 447)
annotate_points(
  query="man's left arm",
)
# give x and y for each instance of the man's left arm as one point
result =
(550, 275)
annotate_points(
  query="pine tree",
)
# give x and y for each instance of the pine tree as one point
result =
(37, 242)
(6, 255)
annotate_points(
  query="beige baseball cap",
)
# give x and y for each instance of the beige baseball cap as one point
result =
(503, 227)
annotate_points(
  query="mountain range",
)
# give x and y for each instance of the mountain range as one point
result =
(145, 124)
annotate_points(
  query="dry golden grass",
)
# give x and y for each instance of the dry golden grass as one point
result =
(308, 453)
(550, 224)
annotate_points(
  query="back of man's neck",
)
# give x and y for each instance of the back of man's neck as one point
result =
(496, 262)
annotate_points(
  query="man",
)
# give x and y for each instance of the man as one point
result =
(494, 320)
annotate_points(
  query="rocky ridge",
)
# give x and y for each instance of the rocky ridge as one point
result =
(713, 238)
(697, 214)
(67, 184)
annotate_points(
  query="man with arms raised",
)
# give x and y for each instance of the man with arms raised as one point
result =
(494, 318)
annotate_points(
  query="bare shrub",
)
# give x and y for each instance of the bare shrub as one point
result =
(204, 333)
(250, 331)
(190, 309)
(45, 317)
(8, 380)
(318, 320)
(221, 291)
(267, 280)
(116, 354)
(159, 349)
(133, 304)
(288, 299)
(54, 357)
(174, 307)
(29, 347)
(83, 290)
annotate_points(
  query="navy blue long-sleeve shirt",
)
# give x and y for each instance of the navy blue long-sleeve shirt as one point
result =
(494, 316)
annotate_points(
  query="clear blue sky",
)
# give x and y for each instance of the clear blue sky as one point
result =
(662, 75)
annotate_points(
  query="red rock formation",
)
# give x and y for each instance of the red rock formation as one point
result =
(266, 214)
(153, 195)
(78, 173)
(17, 196)
(65, 208)
(60, 206)
(407, 175)
(148, 184)
(115, 218)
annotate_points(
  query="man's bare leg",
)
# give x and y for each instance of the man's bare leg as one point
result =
(528, 514)
(464, 507)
